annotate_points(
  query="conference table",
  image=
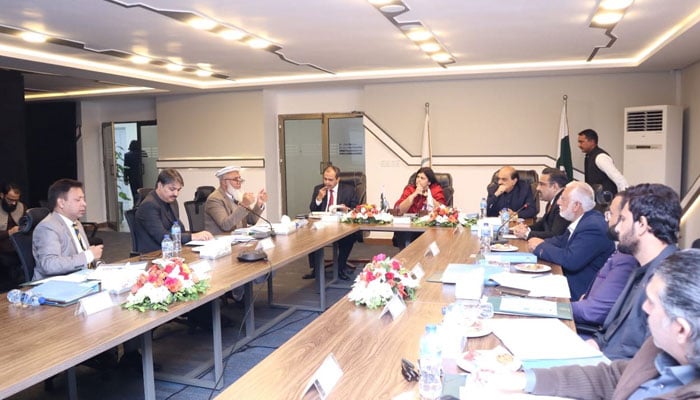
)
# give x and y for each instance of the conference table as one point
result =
(367, 348)
(39, 342)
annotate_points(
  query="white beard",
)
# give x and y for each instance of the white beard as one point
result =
(237, 194)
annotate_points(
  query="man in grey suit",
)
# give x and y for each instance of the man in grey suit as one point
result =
(60, 245)
(228, 207)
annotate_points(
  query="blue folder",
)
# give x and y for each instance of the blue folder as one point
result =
(63, 292)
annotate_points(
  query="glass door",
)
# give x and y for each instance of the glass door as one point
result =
(110, 171)
(310, 142)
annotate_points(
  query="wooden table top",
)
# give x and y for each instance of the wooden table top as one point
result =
(367, 348)
(39, 342)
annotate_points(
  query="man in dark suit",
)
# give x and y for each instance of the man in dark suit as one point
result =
(157, 212)
(585, 246)
(333, 194)
(550, 186)
(510, 193)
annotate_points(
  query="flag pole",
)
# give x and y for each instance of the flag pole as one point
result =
(427, 147)
(564, 161)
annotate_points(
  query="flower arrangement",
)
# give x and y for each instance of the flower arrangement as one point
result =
(166, 282)
(380, 280)
(366, 214)
(441, 215)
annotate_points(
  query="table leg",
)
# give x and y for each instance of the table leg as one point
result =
(218, 344)
(72, 384)
(320, 278)
(149, 382)
(248, 306)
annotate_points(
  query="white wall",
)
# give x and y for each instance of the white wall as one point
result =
(690, 227)
(90, 166)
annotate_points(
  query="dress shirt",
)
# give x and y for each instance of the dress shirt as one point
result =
(335, 197)
(605, 163)
(81, 247)
(671, 377)
(573, 225)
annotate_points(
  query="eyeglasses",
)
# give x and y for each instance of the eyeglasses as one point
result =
(408, 370)
(608, 215)
(239, 180)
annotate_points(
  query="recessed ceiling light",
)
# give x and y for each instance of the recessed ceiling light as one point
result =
(33, 37)
(232, 34)
(174, 67)
(607, 18)
(203, 73)
(202, 23)
(430, 47)
(380, 2)
(419, 34)
(257, 43)
(441, 57)
(139, 59)
(612, 5)
(393, 8)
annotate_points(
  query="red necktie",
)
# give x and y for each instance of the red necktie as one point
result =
(330, 200)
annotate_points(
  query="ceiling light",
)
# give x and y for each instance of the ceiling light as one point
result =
(606, 18)
(33, 37)
(232, 34)
(174, 67)
(202, 23)
(612, 5)
(139, 59)
(419, 34)
(430, 47)
(203, 73)
(380, 2)
(393, 8)
(257, 43)
(441, 57)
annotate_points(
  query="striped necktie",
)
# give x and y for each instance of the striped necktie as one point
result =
(330, 200)
(77, 234)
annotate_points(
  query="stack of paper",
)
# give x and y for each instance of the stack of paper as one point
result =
(537, 285)
(513, 258)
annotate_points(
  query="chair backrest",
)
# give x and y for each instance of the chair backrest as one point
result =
(142, 193)
(529, 176)
(202, 192)
(696, 244)
(22, 240)
(130, 216)
(445, 180)
(195, 215)
(603, 198)
(359, 181)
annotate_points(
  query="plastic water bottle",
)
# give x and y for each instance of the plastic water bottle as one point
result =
(452, 331)
(482, 208)
(18, 297)
(484, 242)
(505, 221)
(166, 247)
(430, 383)
(176, 235)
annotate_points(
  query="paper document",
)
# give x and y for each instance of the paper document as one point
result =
(453, 272)
(538, 285)
(531, 307)
(541, 339)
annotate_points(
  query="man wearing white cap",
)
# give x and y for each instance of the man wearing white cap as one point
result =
(229, 207)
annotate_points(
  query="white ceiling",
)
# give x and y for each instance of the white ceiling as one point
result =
(348, 38)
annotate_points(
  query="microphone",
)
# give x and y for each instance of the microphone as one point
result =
(511, 218)
(259, 235)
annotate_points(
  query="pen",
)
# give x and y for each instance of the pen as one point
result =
(541, 275)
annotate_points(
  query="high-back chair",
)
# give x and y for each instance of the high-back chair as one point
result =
(195, 208)
(445, 180)
(130, 216)
(358, 180)
(529, 176)
(22, 240)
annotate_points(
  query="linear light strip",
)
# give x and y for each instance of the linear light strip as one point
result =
(608, 26)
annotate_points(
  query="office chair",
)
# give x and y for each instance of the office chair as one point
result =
(445, 180)
(130, 216)
(22, 240)
(603, 198)
(195, 208)
(696, 244)
(142, 193)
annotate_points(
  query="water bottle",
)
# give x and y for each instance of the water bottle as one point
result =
(485, 242)
(18, 297)
(176, 235)
(166, 247)
(482, 208)
(430, 383)
(452, 332)
(505, 221)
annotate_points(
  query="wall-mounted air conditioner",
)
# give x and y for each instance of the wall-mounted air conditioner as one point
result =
(653, 145)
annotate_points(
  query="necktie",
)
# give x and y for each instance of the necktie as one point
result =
(549, 207)
(77, 234)
(330, 200)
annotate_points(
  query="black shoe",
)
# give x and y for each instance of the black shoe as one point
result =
(310, 275)
(342, 275)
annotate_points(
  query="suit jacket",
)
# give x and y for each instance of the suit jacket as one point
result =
(551, 223)
(582, 254)
(519, 196)
(625, 328)
(154, 218)
(54, 249)
(616, 381)
(606, 288)
(222, 215)
(346, 195)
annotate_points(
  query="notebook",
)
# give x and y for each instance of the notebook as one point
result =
(64, 293)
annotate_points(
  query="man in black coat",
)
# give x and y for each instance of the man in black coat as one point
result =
(328, 196)
(550, 186)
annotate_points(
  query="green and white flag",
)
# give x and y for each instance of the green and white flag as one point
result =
(564, 153)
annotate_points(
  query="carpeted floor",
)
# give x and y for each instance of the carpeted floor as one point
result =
(178, 348)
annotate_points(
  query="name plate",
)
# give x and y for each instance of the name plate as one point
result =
(433, 249)
(265, 244)
(95, 303)
(395, 307)
(418, 271)
(326, 377)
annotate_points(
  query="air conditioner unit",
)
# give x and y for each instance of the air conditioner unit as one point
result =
(653, 145)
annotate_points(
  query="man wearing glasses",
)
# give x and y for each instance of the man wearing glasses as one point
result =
(229, 207)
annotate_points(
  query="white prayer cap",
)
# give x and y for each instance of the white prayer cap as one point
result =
(225, 170)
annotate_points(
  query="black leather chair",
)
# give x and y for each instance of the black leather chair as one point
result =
(195, 208)
(130, 216)
(22, 240)
(530, 176)
(359, 181)
(603, 198)
(696, 244)
(141, 194)
(445, 180)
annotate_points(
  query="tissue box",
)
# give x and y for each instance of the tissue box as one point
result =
(284, 229)
(215, 250)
